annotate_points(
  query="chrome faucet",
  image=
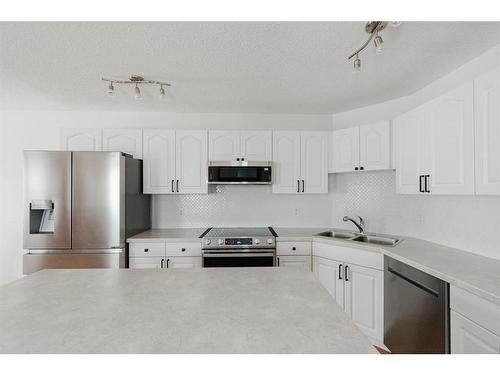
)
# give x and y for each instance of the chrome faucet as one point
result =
(360, 225)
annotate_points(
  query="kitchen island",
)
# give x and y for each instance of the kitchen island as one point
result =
(235, 310)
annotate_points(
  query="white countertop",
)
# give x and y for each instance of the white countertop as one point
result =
(297, 234)
(244, 310)
(168, 234)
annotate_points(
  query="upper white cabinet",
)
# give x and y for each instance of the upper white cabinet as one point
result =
(175, 161)
(245, 145)
(434, 146)
(366, 147)
(300, 162)
(159, 161)
(128, 141)
(345, 150)
(191, 161)
(487, 129)
(81, 139)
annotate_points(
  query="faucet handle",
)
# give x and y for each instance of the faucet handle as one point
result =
(361, 221)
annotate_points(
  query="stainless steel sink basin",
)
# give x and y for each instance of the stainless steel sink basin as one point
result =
(338, 234)
(377, 240)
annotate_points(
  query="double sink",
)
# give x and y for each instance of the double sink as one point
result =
(374, 239)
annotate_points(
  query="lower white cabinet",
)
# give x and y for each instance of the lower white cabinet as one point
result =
(303, 261)
(475, 323)
(183, 262)
(468, 337)
(146, 262)
(357, 288)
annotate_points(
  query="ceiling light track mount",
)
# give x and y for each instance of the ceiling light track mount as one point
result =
(373, 28)
(135, 80)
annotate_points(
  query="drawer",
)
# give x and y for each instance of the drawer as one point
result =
(147, 249)
(300, 261)
(146, 262)
(477, 309)
(351, 255)
(183, 249)
(294, 248)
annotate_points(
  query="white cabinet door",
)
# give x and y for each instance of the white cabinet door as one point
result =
(364, 299)
(256, 145)
(224, 145)
(468, 337)
(330, 275)
(146, 262)
(409, 129)
(345, 152)
(286, 162)
(159, 161)
(314, 162)
(300, 261)
(124, 140)
(183, 262)
(375, 146)
(191, 161)
(487, 129)
(81, 139)
(451, 132)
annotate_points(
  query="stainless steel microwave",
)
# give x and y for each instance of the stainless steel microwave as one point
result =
(239, 173)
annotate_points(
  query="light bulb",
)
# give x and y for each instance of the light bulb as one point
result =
(378, 41)
(111, 89)
(357, 64)
(162, 93)
(137, 92)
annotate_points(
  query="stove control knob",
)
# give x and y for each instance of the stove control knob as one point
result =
(207, 241)
(270, 241)
(220, 241)
(256, 241)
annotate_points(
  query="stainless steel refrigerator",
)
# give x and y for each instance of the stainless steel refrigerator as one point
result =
(80, 207)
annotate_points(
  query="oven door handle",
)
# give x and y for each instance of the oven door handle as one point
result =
(233, 255)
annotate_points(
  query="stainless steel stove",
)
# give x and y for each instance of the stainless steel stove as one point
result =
(239, 247)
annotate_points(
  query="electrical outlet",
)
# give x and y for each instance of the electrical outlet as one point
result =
(297, 212)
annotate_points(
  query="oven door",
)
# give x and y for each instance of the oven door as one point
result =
(229, 173)
(239, 258)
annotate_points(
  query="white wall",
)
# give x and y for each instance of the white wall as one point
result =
(40, 130)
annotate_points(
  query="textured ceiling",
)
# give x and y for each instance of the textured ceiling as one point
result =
(227, 67)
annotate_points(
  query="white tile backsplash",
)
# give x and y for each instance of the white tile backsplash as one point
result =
(466, 222)
(227, 205)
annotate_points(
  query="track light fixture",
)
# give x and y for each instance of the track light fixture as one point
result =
(373, 28)
(135, 80)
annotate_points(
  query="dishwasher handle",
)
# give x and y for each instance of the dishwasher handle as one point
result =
(413, 282)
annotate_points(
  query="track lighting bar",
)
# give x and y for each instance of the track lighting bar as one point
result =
(135, 80)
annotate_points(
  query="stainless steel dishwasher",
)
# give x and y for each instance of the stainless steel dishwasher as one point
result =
(416, 310)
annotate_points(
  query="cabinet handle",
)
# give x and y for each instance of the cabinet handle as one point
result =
(237, 159)
(172, 186)
(426, 180)
(294, 248)
(146, 250)
(242, 159)
(168, 260)
(278, 261)
(161, 263)
(298, 186)
(302, 185)
(183, 249)
(340, 271)
(356, 168)
(420, 188)
(361, 168)
(177, 185)
(346, 273)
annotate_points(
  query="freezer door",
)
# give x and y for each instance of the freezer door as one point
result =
(47, 202)
(98, 214)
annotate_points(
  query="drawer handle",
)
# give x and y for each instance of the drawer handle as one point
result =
(183, 249)
(294, 248)
(146, 250)
(340, 271)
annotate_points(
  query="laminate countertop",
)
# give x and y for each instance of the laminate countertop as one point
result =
(168, 234)
(211, 310)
